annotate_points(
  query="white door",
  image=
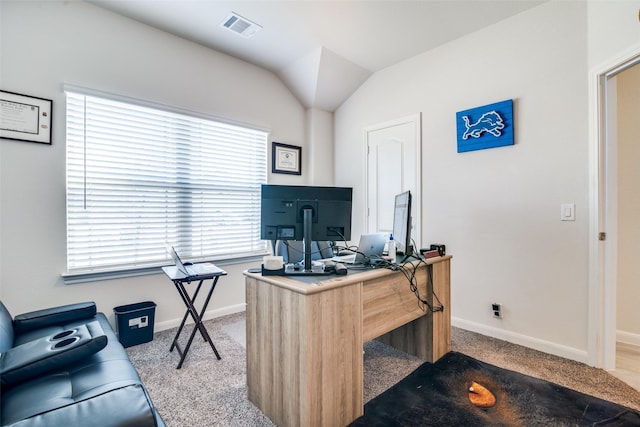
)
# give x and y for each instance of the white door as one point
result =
(604, 230)
(393, 166)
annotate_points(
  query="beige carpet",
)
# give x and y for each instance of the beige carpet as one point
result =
(210, 392)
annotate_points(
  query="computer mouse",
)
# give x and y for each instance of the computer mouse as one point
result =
(340, 269)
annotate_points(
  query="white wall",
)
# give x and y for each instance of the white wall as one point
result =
(320, 153)
(498, 210)
(628, 286)
(613, 29)
(46, 44)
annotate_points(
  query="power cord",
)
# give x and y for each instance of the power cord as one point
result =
(409, 271)
(353, 249)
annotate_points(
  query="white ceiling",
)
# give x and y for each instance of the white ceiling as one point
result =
(322, 50)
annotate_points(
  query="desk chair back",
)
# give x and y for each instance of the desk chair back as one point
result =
(292, 250)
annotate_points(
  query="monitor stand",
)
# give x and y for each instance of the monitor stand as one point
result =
(302, 272)
(408, 254)
(307, 269)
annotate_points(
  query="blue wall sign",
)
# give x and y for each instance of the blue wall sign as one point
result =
(483, 127)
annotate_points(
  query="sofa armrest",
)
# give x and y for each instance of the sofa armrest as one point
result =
(50, 354)
(53, 316)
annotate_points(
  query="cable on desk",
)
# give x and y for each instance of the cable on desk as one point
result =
(353, 249)
(337, 249)
(409, 271)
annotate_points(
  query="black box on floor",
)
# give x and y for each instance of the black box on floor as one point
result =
(134, 323)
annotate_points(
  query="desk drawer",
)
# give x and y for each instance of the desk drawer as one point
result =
(389, 302)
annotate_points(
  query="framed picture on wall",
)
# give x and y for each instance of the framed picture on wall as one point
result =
(489, 126)
(286, 158)
(25, 118)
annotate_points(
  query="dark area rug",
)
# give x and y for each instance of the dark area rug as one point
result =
(438, 395)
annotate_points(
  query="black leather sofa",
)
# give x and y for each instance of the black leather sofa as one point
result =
(64, 366)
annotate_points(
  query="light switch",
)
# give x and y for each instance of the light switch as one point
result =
(568, 212)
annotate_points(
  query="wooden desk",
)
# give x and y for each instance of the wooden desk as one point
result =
(305, 337)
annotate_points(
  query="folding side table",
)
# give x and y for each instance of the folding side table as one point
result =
(179, 279)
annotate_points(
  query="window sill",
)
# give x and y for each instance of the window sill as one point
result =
(73, 278)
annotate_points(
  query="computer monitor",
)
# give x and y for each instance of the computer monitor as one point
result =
(402, 223)
(307, 213)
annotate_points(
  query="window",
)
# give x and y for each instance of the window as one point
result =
(139, 176)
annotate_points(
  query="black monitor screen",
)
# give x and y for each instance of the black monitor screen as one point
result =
(402, 222)
(283, 206)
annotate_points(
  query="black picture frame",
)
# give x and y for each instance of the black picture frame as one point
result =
(25, 118)
(286, 158)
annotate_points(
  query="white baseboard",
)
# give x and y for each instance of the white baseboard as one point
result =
(523, 340)
(209, 314)
(628, 338)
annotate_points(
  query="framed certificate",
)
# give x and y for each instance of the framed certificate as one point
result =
(286, 159)
(25, 118)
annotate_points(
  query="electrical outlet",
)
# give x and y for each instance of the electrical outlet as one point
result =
(497, 310)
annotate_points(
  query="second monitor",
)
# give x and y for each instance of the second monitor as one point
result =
(402, 224)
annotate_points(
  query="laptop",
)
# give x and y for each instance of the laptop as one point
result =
(193, 270)
(370, 247)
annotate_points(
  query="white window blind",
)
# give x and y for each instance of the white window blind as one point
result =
(138, 177)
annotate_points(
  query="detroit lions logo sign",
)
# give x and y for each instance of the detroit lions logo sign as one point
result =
(483, 127)
(489, 122)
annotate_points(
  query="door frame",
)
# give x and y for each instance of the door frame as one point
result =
(417, 197)
(601, 340)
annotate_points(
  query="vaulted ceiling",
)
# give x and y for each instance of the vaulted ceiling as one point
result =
(322, 50)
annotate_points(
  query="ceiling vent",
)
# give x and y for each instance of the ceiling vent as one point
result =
(240, 25)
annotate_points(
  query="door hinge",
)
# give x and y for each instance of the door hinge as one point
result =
(602, 236)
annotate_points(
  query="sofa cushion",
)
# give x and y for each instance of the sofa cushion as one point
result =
(52, 402)
(51, 354)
